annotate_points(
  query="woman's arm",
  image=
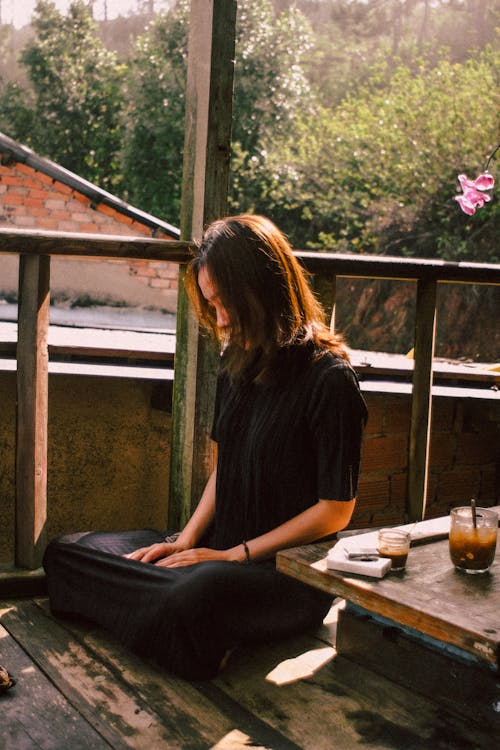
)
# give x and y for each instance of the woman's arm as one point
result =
(193, 530)
(202, 516)
(321, 519)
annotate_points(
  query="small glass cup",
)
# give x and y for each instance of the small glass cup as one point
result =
(394, 544)
(472, 548)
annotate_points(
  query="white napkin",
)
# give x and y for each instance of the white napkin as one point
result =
(373, 567)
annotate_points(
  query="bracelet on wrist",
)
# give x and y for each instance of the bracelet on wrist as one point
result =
(171, 538)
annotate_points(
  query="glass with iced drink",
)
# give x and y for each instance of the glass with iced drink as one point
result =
(473, 538)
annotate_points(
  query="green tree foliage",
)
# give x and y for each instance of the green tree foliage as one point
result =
(270, 90)
(352, 36)
(342, 133)
(378, 174)
(17, 113)
(154, 133)
(72, 113)
(352, 120)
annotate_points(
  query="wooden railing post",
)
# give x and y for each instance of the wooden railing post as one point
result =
(32, 410)
(204, 197)
(420, 421)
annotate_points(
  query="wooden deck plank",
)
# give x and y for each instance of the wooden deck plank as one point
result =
(344, 706)
(34, 714)
(198, 716)
(299, 710)
(170, 697)
(101, 689)
(134, 704)
(107, 681)
(389, 715)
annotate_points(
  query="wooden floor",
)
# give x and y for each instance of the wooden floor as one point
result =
(77, 689)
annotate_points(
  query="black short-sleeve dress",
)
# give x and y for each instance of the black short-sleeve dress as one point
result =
(282, 446)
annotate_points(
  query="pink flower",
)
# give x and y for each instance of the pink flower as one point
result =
(473, 197)
(485, 181)
(470, 200)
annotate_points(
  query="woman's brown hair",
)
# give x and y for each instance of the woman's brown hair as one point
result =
(264, 290)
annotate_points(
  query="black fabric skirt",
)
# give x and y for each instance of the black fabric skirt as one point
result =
(184, 618)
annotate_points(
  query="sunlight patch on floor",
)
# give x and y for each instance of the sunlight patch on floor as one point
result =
(236, 740)
(301, 667)
(3, 611)
(333, 613)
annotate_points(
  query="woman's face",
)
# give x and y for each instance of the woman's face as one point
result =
(211, 294)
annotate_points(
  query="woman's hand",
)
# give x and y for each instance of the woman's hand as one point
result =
(172, 555)
(193, 556)
(194, 529)
(155, 551)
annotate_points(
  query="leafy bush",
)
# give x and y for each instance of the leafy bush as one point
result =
(72, 112)
(378, 174)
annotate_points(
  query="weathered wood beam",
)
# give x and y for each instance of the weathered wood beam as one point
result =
(78, 244)
(39, 242)
(204, 198)
(32, 410)
(420, 420)
(404, 269)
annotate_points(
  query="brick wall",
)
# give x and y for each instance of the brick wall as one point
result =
(30, 199)
(464, 457)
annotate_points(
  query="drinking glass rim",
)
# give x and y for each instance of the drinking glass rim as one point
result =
(480, 511)
(398, 533)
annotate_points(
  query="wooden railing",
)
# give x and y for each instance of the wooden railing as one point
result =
(35, 249)
(427, 274)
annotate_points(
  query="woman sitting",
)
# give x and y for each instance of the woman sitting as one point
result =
(288, 425)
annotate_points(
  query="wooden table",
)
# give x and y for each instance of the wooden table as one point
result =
(460, 611)
(429, 596)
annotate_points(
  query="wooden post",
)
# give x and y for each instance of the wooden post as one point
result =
(204, 198)
(32, 410)
(418, 449)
